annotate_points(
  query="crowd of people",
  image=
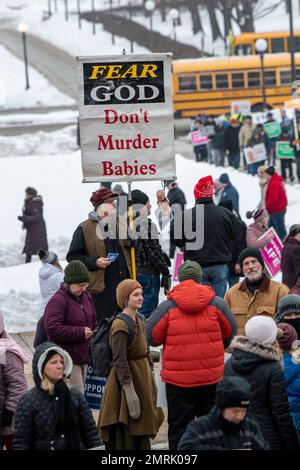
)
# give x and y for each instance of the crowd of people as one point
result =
(228, 136)
(230, 346)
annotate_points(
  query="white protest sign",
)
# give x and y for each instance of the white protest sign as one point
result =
(254, 154)
(241, 107)
(126, 117)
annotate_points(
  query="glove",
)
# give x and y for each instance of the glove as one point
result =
(166, 283)
(133, 402)
(6, 418)
(21, 218)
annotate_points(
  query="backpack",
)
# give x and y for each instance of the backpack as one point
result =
(40, 333)
(100, 352)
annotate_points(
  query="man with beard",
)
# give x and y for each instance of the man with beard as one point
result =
(226, 427)
(256, 294)
(289, 311)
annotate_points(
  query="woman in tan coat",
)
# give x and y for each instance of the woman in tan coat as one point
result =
(128, 414)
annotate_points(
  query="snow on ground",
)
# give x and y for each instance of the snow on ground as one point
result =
(58, 179)
(69, 116)
(12, 90)
(39, 143)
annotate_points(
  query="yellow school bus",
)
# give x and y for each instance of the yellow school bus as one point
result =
(207, 86)
(278, 42)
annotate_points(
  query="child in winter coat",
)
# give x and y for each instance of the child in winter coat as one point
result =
(12, 383)
(287, 340)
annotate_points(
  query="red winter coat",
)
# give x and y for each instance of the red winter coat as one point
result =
(194, 326)
(276, 200)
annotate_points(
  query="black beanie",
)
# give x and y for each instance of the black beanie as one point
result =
(270, 170)
(50, 354)
(138, 197)
(233, 392)
(253, 253)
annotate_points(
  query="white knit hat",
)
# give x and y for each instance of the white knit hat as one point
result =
(262, 329)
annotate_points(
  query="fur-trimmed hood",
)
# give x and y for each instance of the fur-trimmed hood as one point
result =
(248, 353)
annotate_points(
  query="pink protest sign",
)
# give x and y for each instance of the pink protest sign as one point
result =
(178, 263)
(198, 139)
(271, 254)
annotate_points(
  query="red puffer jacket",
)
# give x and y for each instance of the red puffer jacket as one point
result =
(194, 326)
(276, 200)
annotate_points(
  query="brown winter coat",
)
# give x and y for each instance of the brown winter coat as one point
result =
(96, 247)
(264, 301)
(114, 406)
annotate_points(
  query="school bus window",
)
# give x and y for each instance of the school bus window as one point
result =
(285, 77)
(277, 45)
(296, 43)
(206, 82)
(243, 49)
(238, 80)
(253, 79)
(221, 80)
(187, 83)
(270, 77)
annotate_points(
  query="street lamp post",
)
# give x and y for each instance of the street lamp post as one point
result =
(174, 15)
(79, 14)
(23, 28)
(130, 16)
(93, 14)
(111, 23)
(66, 11)
(150, 6)
(261, 46)
(292, 41)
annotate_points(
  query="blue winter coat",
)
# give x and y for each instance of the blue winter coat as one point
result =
(230, 193)
(292, 382)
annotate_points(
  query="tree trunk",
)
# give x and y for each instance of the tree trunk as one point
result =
(216, 33)
(162, 7)
(193, 7)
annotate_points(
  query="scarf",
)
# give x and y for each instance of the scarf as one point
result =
(67, 422)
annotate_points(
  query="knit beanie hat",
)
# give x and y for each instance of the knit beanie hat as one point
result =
(138, 197)
(258, 214)
(224, 178)
(286, 336)
(190, 270)
(233, 392)
(76, 272)
(47, 256)
(204, 188)
(262, 329)
(124, 290)
(253, 253)
(50, 354)
(270, 170)
(288, 304)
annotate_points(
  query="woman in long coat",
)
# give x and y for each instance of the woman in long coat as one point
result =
(290, 256)
(128, 414)
(33, 223)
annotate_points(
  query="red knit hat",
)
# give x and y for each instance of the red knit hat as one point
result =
(102, 195)
(204, 187)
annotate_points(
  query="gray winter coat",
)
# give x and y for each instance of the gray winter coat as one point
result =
(36, 412)
(50, 278)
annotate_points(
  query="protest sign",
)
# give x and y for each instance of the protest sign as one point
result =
(273, 129)
(93, 389)
(126, 117)
(254, 154)
(284, 150)
(241, 107)
(178, 263)
(271, 254)
(198, 139)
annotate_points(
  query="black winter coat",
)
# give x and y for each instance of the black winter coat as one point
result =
(290, 262)
(35, 425)
(260, 366)
(214, 233)
(232, 139)
(34, 224)
(206, 433)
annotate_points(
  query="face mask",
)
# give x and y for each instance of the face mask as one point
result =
(295, 323)
(230, 428)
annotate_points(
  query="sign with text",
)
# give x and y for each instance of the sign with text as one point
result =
(93, 389)
(273, 129)
(198, 138)
(254, 154)
(126, 117)
(241, 107)
(178, 263)
(271, 254)
(284, 150)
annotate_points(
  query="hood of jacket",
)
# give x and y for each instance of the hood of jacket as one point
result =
(40, 356)
(276, 177)
(48, 270)
(191, 297)
(247, 354)
(93, 216)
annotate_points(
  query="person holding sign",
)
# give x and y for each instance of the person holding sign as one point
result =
(285, 153)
